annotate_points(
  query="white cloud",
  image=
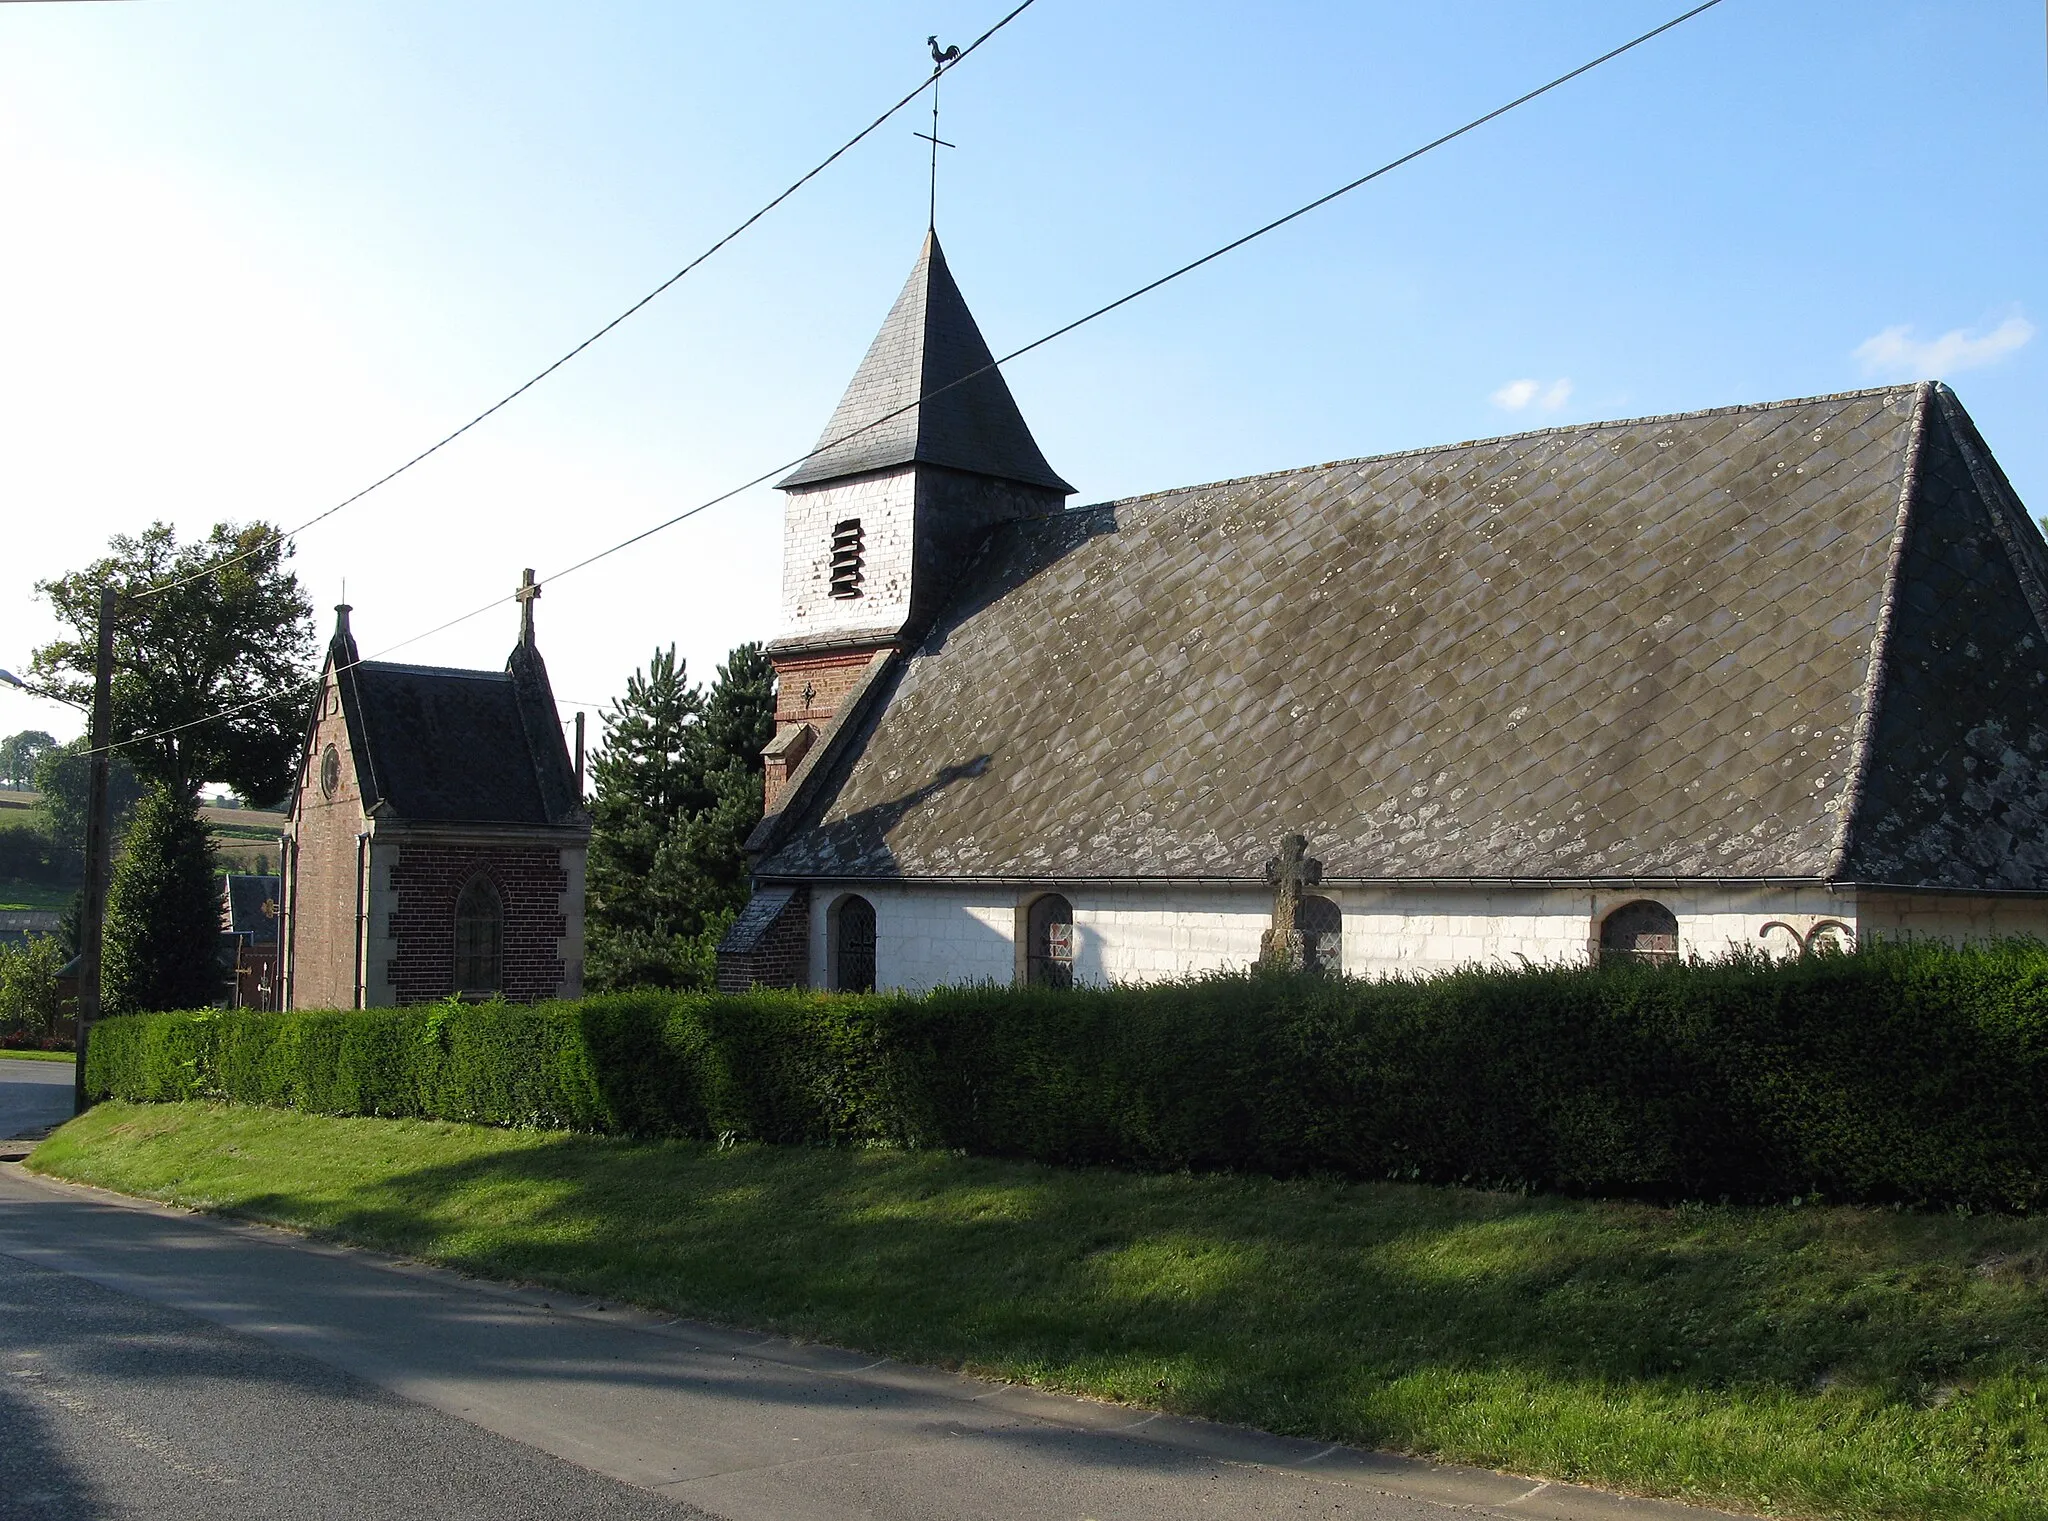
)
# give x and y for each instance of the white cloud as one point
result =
(1896, 352)
(1520, 395)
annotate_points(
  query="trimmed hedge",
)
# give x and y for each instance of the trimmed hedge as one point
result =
(1903, 1073)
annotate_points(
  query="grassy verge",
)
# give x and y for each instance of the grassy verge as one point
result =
(1808, 1361)
(36, 1056)
(17, 896)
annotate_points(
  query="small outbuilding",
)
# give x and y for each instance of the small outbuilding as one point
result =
(437, 835)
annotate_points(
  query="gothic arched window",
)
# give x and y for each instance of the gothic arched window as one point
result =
(1640, 931)
(1321, 924)
(848, 550)
(479, 938)
(853, 945)
(1049, 952)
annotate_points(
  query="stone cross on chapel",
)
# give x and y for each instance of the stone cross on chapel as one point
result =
(529, 589)
(1288, 873)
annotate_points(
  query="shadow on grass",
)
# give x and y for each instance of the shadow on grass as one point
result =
(1849, 1361)
(1257, 1298)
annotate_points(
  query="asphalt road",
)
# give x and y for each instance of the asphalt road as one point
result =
(164, 1364)
(33, 1096)
(111, 1406)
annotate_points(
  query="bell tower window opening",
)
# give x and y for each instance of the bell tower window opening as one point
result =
(848, 551)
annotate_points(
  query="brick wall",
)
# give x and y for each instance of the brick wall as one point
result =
(809, 690)
(427, 877)
(780, 958)
(323, 893)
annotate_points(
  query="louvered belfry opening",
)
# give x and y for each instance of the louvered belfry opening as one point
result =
(847, 551)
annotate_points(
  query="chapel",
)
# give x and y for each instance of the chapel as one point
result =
(1769, 676)
(437, 835)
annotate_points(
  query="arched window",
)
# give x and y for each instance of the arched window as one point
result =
(479, 938)
(1640, 931)
(848, 550)
(853, 946)
(1049, 952)
(1321, 924)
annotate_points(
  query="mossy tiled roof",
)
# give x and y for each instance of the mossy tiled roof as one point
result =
(1797, 640)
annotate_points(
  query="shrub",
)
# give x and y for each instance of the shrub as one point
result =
(28, 987)
(1909, 1073)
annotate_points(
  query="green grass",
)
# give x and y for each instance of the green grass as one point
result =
(1825, 1361)
(35, 1056)
(34, 897)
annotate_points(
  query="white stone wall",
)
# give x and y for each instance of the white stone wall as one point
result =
(886, 507)
(928, 937)
(1950, 917)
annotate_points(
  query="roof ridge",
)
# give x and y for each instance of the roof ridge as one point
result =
(1505, 438)
(431, 670)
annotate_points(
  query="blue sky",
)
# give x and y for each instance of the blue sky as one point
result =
(259, 253)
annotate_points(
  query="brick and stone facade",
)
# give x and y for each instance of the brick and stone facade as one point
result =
(416, 783)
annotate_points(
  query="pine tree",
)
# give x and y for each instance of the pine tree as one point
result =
(163, 915)
(667, 871)
(642, 785)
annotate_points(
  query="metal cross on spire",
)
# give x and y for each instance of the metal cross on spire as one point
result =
(529, 589)
(940, 58)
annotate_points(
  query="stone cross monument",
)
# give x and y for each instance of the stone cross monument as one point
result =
(1288, 873)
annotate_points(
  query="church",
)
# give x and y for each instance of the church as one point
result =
(436, 835)
(1761, 677)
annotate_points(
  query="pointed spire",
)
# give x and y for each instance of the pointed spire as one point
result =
(929, 341)
(343, 644)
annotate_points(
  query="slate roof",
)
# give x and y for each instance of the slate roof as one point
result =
(439, 745)
(245, 895)
(928, 342)
(1805, 640)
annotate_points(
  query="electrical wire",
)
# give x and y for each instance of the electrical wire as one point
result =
(1036, 343)
(1100, 311)
(795, 185)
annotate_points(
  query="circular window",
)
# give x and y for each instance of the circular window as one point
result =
(330, 771)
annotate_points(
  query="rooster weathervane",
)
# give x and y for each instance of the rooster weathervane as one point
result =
(942, 58)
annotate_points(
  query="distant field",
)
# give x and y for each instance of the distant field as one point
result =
(33, 897)
(251, 820)
(9, 798)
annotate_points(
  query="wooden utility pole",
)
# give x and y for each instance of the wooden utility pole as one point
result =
(92, 920)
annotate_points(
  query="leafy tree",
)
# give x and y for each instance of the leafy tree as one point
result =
(678, 791)
(210, 677)
(65, 780)
(19, 754)
(28, 986)
(163, 919)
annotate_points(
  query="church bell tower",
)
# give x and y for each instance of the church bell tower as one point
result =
(881, 517)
